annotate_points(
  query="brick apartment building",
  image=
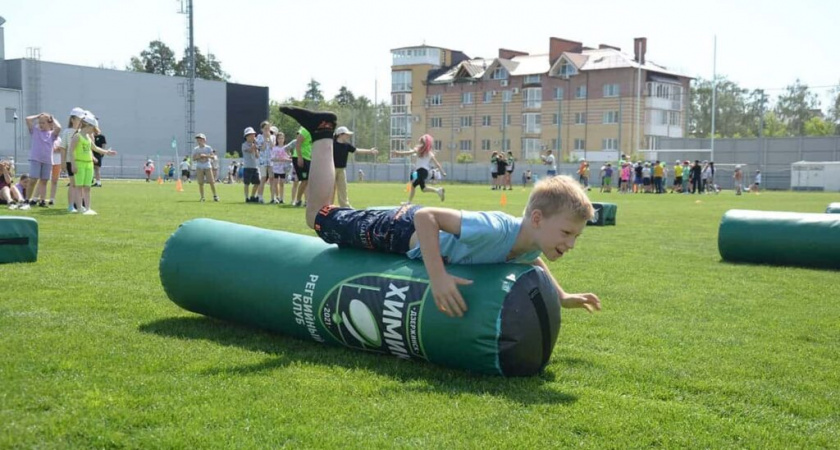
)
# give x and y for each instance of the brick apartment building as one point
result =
(575, 100)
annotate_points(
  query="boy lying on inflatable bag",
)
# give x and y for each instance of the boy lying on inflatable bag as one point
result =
(554, 218)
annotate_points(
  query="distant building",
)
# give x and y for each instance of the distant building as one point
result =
(140, 113)
(576, 100)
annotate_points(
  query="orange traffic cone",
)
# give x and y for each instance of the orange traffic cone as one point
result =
(179, 186)
(503, 202)
(160, 180)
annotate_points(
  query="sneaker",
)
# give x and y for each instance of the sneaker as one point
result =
(297, 204)
(33, 202)
(279, 202)
(24, 206)
(72, 210)
(215, 198)
(13, 206)
(89, 212)
(42, 204)
(202, 200)
(442, 193)
(51, 202)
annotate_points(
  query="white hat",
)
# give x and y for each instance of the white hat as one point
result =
(248, 131)
(201, 135)
(77, 112)
(679, 162)
(90, 119)
(274, 129)
(342, 130)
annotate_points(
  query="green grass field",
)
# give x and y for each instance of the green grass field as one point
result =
(688, 351)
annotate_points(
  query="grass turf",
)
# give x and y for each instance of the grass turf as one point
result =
(688, 352)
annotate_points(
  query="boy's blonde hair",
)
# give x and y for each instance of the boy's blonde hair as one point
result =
(559, 194)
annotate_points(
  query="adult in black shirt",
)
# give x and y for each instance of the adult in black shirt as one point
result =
(341, 151)
(100, 142)
(696, 170)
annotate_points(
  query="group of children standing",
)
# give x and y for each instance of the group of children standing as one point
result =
(652, 178)
(52, 150)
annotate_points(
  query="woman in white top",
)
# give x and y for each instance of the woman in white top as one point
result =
(425, 156)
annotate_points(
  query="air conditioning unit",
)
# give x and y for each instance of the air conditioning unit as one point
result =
(416, 118)
(503, 83)
(515, 91)
(493, 93)
(497, 142)
(457, 130)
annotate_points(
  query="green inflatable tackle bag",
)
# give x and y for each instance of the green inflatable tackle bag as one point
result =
(18, 239)
(300, 286)
(833, 208)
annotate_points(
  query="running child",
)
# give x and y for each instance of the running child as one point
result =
(425, 156)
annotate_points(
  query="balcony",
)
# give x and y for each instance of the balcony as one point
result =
(414, 56)
(663, 103)
(663, 130)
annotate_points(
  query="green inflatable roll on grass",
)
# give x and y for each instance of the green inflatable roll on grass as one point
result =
(18, 240)
(833, 208)
(300, 286)
(604, 214)
(780, 238)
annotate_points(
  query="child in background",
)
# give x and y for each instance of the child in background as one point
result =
(607, 180)
(250, 156)
(148, 168)
(739, 179)
(279, 159)
(425, 156)
(43, 131)
(757, 184)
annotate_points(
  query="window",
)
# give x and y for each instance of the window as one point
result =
(499, 73)
(507, 96)
(609, 144)
(436, 122)
(580, 118)
(506, 145)
(401, 81)
(488, 97)
(466, 121)
(508, 119)
(438, 144)
(531, 123)
(435, 100)
(566, 68)
(466, 145)
(485, 121)
(532, 79)
(555, 144)
(485, 144)
(580, 92)
(400, 126)
(580, 144)
(398, 144)
(533, 98)
(611, 90)
(556, 119)
(531, 147)
(400, 103)
(674, 118)
(611, 117)
(466, 98)
(558, 93)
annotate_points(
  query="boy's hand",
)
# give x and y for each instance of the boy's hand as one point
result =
(447, 296)
(588, 301)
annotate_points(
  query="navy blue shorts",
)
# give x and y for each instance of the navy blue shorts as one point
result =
(382, 230)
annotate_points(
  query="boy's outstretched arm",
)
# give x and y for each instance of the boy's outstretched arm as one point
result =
(428, 223)
(588, 301)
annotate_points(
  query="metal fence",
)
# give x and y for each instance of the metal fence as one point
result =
(772, 156)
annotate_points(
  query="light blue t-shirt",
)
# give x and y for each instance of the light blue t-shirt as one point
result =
(486, 238)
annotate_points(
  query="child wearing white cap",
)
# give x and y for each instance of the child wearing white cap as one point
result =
(204, 156)
(341, 151)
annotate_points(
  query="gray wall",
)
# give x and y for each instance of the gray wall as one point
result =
(139, 113)
(10, 101)
(773, 156)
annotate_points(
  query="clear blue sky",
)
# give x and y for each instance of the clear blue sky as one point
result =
(766, 44)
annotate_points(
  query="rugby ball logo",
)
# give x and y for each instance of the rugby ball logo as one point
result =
(362, 324)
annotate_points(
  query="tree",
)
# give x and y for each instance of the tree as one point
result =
(313, 92)
(773, 127)
(345, 97)
(817, 126)
(796, 106)
(834, 110)
(158, 58)
(206, 67)
(731, 106)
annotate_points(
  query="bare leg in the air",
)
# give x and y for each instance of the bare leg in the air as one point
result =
(321, 125)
